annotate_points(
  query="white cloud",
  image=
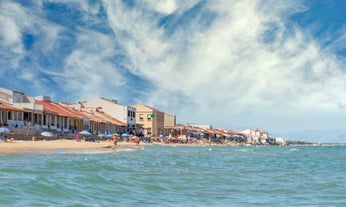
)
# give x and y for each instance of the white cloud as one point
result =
(89, 70)
(11, 19)
(228, 63)
(86, 6)
(249, 64)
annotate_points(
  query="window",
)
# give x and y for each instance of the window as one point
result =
(141, 117)
(149, 116)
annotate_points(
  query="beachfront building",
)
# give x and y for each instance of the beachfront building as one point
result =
(57, 117)
(264, 137)
(258, 137)
(24, 111)
(150, 121)
(39, 113)
(119, 112)
(169, 124)
(9, 114)
(103, 123)
(29, 115)
(280, 141)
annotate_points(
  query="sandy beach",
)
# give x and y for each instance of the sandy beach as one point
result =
(19, 146)
(61, 144)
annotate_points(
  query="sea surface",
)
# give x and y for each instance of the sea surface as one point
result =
(176, 176)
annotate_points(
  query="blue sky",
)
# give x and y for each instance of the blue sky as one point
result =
(274, 65)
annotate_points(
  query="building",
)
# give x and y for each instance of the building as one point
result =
(103, 123)
(150, 121)
(59, 118)
(23, 110)
(9, 115)
(124, 114)
(169, 120)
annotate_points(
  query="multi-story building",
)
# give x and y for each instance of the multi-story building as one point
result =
(169, 120)
(125, 114)
(23, 109)
(150, 121)
(20, 111)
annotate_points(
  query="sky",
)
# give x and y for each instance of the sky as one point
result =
(274, 65)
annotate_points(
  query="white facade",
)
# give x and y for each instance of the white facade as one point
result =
(10, 96)
(280, 141)
(123, 113)
(206, 126)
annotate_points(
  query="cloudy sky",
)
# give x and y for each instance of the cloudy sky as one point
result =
(274, 65)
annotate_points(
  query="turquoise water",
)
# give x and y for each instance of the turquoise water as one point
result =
(176, 176)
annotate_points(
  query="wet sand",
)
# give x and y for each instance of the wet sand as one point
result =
(18, 145)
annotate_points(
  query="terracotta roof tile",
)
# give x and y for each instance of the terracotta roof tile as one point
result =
(51, 107)
(101, 117)
(9, 107)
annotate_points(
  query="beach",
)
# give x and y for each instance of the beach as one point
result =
(61, 144)
(19, 146)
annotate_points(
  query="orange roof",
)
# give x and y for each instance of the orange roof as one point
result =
(9, 107)
(233, 131)
(220, 131)
(101, 117)
(112, 119)
(71, 110)
(51, 107)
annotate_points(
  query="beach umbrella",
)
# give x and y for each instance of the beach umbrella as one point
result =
(4, 130)
(46, 134)
(108, 135)
(85, 132)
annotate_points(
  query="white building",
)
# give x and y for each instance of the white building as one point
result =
(120, 112)
(280, 141)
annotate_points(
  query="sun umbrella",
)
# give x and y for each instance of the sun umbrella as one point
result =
(46, 134)
(84, 132)
(4, 130)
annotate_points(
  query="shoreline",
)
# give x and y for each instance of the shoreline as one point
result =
(19, 146)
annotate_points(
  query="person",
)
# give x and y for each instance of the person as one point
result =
(78, 137)
(115, 139)
(138, 141)
(33, 138)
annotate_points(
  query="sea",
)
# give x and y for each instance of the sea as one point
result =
(156, 175)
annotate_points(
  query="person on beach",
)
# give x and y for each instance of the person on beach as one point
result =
(115, 140)
(78, 137)
(138, 140)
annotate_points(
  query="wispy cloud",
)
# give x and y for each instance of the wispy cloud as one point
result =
(11, 19)
(228, 63)
(250, 60)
